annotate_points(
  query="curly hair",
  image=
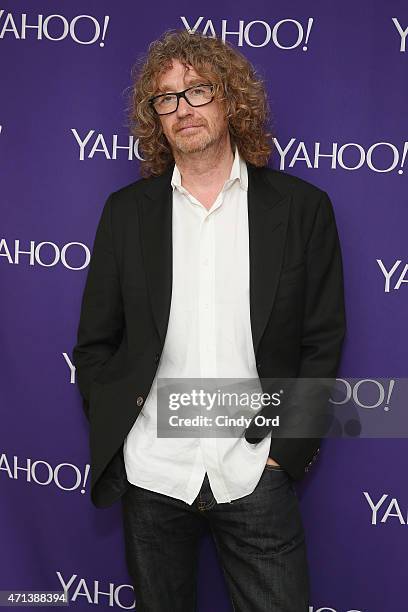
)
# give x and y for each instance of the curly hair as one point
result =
(237, 86)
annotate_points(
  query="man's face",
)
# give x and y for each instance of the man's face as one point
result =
(209, 121)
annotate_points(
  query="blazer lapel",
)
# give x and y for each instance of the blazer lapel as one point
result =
(155, 219)
(268, 214)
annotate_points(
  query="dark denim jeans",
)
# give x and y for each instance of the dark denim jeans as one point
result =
(259, 539)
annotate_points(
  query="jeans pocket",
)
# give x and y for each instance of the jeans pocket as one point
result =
(273, 468)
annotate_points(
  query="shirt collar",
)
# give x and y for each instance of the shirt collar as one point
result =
(238, 171)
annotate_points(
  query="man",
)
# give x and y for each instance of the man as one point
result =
(212, 265)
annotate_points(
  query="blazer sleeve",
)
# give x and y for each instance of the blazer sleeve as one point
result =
(323, 332)
(324, 323)
(101, 321)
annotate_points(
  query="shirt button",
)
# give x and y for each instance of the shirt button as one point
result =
(139, 400)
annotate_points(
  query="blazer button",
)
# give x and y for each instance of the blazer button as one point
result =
(139, 400)
(258, 365)
(157, 358)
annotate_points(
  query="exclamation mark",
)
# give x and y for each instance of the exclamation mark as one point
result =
(309, 27)
(105, 26)
(390, 390)
(404, 154)
(85, 477)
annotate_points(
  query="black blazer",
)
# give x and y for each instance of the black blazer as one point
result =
(296, 306)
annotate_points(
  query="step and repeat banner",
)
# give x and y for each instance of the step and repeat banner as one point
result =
(336, 76)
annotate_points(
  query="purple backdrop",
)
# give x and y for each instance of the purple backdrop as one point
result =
(336, 77)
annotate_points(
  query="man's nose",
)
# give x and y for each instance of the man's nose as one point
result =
(183, 108)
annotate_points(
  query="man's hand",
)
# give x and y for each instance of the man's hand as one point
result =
(271, 461)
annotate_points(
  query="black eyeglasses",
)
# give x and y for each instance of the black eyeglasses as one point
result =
(197, 95)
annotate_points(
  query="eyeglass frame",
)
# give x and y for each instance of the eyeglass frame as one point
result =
(181, 94)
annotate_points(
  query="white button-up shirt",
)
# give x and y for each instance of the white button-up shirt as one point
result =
(208, 335)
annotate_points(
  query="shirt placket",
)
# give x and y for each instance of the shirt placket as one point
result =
(206, 315)
(207, 337)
